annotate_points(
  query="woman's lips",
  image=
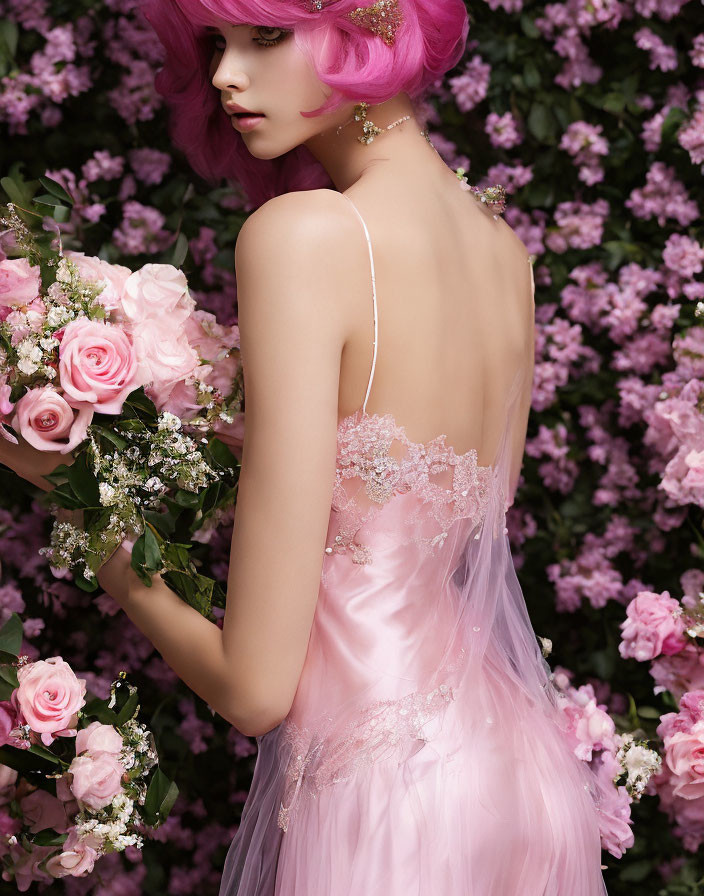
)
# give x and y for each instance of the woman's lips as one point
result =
(246, 122)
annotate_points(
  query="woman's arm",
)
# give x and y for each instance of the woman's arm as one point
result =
(290, 258)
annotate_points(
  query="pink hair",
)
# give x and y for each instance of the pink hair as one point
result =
(355, 63)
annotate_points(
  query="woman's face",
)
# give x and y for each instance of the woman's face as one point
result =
(260, 68)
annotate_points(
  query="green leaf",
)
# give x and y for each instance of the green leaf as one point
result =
(637, 871)
(56, 190)
(186, 499)
(529, 27)
(180, 250)
(9, 33)
(113, 437)
(11, 636)
(649, 712)
(83, 482)
(164, 523)
(152, 551)
(48, 199)
(8, 681)
(221, 453)
(48, 837)
(17, 189)
(160, 798)
(128, 710)
(99, 709)
(541, 123)
(26, 761)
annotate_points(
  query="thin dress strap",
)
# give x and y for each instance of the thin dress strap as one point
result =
(371, 260)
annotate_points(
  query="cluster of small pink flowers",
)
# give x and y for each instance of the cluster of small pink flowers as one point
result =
(141, 231)
(663, 197)
(654, 625)
(697, 52)
(585, 143)
(559, 472)
(503, 130)
(676, 433)
(580, 225)
(663, 9)
(662, 56)
(683, 257)
(470, 87)
(691, 135)
(560, 355)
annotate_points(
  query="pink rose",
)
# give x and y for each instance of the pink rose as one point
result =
(97, 778)
(98, 365)
(19, 282)
(77, 857)
(679, 673)
(165, 357)
(42, 810)
(214, 342)
(654, 626)
(96, 270)
(46, 420)
(50, 695)
(157, 291)
(684, 754)
(99, 738)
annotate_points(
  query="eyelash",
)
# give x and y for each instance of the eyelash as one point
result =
(261, 41)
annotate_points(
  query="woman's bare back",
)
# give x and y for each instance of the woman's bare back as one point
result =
(455, 311)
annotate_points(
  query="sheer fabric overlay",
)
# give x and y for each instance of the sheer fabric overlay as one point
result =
(425, 751)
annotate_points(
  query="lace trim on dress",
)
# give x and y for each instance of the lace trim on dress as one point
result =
(364, 443)
(375, 734)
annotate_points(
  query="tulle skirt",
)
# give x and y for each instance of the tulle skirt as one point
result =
(488, 805)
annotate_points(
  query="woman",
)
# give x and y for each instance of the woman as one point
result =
(376, 640)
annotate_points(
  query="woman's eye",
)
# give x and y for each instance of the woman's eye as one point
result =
(265, 40)
(268, 42)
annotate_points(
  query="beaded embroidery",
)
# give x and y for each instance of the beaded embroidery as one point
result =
(379, 730)
(364, 443)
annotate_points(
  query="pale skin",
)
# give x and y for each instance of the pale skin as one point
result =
(306, 326)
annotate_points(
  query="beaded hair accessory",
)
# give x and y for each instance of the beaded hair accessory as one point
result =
(381, 18)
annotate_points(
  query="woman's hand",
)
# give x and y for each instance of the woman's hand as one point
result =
(30, 463)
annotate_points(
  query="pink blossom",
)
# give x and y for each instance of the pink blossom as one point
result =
(654, 626)
(48, 422)
(95, 270)
(679, 673)
(42, 810)
(19, 282)
(614, 812)
(99, 737)
(50, 695)
(503, 130)
(77, 856)
(97, 778)
(97, 365)
(470, 87)
(662, 56)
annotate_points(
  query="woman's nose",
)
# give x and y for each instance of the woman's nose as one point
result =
(228, 75)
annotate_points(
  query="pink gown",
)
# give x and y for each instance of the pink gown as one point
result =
(424, 752)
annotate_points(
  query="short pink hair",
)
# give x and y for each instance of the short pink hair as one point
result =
(353, 61)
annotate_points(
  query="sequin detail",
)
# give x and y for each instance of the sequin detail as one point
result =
(368, 476)
(375, 734)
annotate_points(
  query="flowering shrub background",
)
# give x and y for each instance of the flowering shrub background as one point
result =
(592, 117)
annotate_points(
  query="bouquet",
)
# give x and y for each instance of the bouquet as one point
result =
(77, 780)
(146, 391)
